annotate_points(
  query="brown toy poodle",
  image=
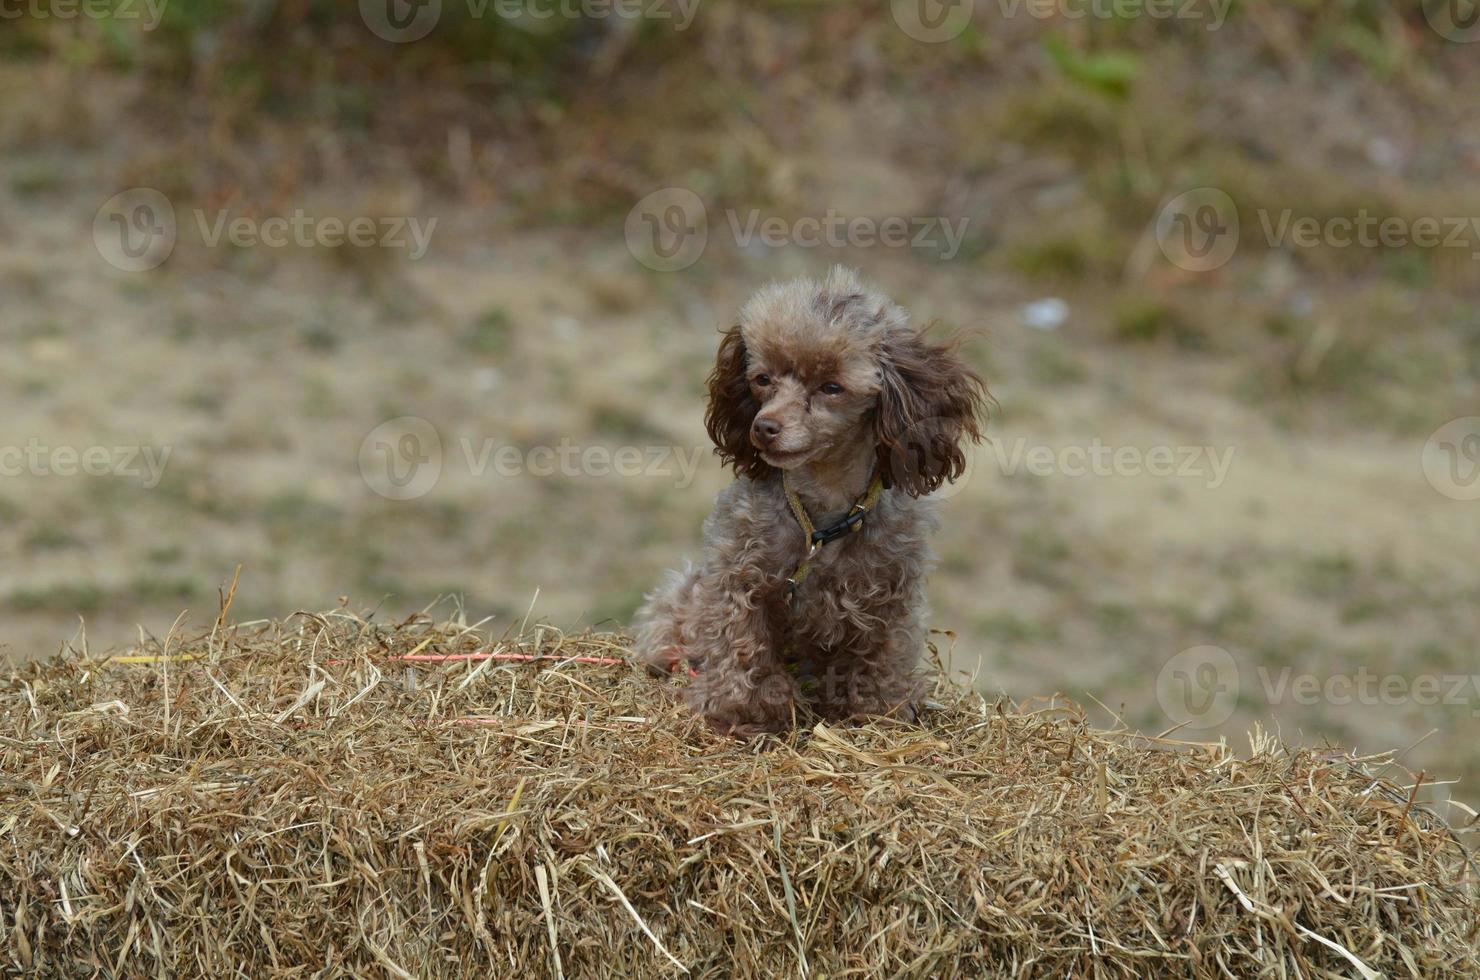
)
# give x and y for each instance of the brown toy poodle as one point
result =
(838, 418)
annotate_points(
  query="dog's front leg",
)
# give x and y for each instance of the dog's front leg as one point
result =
(742, 687)
(877, 676)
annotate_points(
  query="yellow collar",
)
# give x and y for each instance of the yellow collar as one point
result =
(849, 524)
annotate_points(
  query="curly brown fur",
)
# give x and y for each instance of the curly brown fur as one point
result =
(828, 381)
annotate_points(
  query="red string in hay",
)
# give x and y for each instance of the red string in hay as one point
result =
(510, 656)
(521, 657)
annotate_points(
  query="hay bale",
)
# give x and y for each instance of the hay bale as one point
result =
(287, 799)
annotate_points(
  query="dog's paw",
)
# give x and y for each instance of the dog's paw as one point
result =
(668, 662)
(768, 708)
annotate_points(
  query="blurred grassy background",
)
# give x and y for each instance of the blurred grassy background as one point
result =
(529, 140)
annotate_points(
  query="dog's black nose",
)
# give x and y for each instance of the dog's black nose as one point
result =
(766, 430)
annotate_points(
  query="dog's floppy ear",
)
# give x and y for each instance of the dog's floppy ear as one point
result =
(930, 404)
(732, 409)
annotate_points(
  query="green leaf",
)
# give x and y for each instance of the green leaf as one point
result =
(1110, 73)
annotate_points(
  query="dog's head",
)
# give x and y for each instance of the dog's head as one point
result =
(814, 366)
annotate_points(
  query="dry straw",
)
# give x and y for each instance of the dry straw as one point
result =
(289, 799)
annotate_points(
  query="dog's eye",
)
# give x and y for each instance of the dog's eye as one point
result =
(832, 388)
(762, 380)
